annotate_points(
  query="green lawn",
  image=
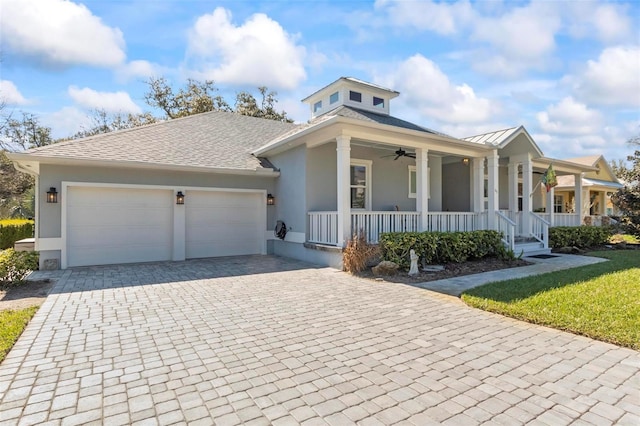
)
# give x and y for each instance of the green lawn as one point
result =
(11, 325)
(601, 301)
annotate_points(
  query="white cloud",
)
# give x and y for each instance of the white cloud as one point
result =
(258, 52)
(108, 101)
(59, 32)
(614, 79)
(67, 121)
(606, 22)
(441, 18)
(10, 94)
(425, 87)
(518, 39)
(138, 68)
(569, 117)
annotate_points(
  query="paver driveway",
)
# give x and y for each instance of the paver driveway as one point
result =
(264, 340)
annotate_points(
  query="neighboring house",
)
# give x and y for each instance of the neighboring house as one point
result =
(215, 184)
(598, 186)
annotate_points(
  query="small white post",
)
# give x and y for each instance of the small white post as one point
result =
(343, 155)
(550, 206)
(513, 188)
(527, 205)
(493, 185)
(577, 198)
(422, 185)
(478, 184)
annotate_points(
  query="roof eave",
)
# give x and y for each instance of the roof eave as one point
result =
(566, 166)
(20, 158)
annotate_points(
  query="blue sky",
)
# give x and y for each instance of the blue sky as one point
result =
(569, 71)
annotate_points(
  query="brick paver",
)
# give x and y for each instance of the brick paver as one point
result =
(263, 340)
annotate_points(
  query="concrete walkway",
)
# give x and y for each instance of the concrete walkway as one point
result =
(457, 285)
(264, 340)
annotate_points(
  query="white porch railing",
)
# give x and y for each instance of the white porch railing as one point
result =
(540, 229)
(561, 219)
(323, 228)
(456, 221)
(375, 223)
(508, 229)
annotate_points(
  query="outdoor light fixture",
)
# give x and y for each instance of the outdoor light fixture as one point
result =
(465, 161)
(179, 198)
(271, 200)
(52, 195)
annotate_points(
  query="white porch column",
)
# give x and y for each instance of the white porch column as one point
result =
(422, 185)
(478, 184)
(527, 205)
(577, 198)
(513, 187)
(550, 206)
(493, 187)
(343, 156)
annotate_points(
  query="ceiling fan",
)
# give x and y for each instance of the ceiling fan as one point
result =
(400, 153)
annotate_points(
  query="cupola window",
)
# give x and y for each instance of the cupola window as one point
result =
(333, 98)
(317, 106)
(355, 96)
(378, 102)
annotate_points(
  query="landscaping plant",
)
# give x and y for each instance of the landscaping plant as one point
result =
(15, 265)
(12, 230)
(358, 254)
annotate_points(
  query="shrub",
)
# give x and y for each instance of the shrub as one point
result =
(12, 230)
(578, 236)
(358, 253)
(442, 247)
(14, 266)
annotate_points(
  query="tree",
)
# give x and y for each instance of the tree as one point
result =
(246, 104)
(24, 133)
(627, 199)
(103, 122)
(196, 97)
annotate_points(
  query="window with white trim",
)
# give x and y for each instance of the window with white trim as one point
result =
(378, 102)
(558, 203)
(333, 98)
(355, 96)
(413, 182)
(360, 182)
(317, 106)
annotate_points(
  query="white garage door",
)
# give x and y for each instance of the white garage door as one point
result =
(118, 225)
(224, 224)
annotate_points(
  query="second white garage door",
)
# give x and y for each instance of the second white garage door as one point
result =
(222, 223)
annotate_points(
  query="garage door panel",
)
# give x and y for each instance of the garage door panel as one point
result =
(118, 225)
(224, 224)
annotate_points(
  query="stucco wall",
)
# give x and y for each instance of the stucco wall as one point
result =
(50, 214)
(456, 183)
(290, 190)
(321, 178)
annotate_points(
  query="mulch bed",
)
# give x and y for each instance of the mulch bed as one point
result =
(450, 270)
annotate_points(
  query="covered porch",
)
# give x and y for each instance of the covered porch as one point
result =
(495, 185)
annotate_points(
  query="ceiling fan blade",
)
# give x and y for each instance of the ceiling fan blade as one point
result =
(410, 155)
(397, 156)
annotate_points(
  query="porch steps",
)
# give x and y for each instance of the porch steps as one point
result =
(530, 248)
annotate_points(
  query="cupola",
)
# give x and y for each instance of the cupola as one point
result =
(351, 92)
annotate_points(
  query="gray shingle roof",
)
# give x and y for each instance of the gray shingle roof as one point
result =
(213, 139)
(389, 120)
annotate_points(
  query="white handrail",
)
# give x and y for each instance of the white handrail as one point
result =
(540, 229)
(508, 229)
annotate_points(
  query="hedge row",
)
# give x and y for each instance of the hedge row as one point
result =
(442, 247)
(12, 230)
(14, 265)
(578, 236)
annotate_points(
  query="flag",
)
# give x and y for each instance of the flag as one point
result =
(549, 178)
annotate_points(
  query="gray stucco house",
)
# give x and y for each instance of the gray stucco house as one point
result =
(215, 184)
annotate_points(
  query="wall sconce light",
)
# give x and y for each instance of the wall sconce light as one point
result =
(52, 195)
(465, 161)
(179, 198)
(271, 200)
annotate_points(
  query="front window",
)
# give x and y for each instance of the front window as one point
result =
(360, 181)
(413, 182)
(558, 204)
